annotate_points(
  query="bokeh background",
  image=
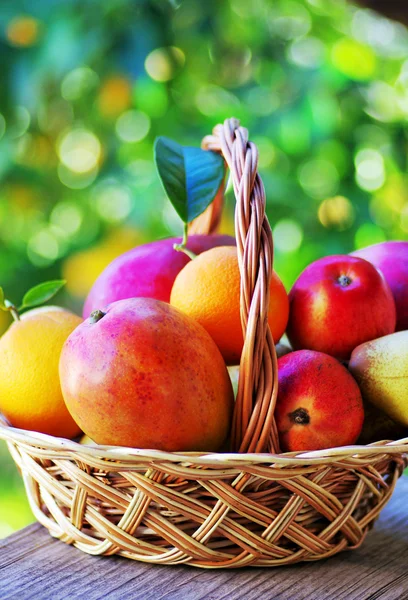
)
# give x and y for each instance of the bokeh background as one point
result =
(86, 86)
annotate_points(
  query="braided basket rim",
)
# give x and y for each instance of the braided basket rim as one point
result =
(219, 459)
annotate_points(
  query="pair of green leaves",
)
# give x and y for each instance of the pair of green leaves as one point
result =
(190, 176)
(35, 296)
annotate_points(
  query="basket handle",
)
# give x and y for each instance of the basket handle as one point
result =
(253, 427)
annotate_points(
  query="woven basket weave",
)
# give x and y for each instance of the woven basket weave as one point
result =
(253, 507)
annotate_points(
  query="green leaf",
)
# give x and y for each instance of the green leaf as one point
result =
(190, 176)
(41, 293)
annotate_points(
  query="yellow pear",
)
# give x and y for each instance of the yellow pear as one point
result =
(381, 370)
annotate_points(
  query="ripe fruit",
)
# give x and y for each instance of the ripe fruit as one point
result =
(147, 271)
(391, 258)
(381, 370)
(319, 404)
(30, 391)
(208, 290)
(337, 303)
(142, 374)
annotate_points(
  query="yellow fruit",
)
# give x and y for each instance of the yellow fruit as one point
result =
(82, 268)
(5, 320)
(30, 391)
(208, 290)
(86, 441)
(381, 370)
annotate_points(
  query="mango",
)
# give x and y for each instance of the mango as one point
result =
(391, 258)
(381, 370)
(144, 375)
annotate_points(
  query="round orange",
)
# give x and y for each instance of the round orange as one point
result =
(208, 290)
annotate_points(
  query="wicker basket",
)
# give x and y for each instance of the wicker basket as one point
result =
(254, 507)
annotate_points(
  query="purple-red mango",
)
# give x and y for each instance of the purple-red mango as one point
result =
(391, 258)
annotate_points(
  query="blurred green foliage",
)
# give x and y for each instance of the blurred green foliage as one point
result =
(85, 87)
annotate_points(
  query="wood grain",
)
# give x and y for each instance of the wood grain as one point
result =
(34, 566)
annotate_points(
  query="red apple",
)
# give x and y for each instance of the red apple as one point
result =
(391, 258)
(141, 373)
(147, 271)
(319, 403)
(337, 303)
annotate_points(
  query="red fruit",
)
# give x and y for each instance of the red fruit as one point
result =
(391, 258)
(140, 373)
(319, 403)
(337, 303)
(147, 271)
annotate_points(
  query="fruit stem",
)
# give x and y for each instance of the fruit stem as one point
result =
(96, 316)
(12, 309)
(344, 280)
(183, 246)
(300, 416)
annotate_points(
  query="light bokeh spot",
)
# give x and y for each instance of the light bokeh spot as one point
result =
(113, 200)
(67, 216)
(23, 31)
(163, 63)
(43, 248)
(79, 150)
(353, 59)
(319, 177)
(77, 82)
(287, 235)
(132, 126)
(336, 213)
(370, 170)
(307, 52)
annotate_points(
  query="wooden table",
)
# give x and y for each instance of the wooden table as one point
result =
(34, 566)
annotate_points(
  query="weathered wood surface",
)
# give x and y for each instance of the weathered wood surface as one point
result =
(34, 566)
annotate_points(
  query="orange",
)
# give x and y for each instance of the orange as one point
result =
(208, 289)
(30, 391)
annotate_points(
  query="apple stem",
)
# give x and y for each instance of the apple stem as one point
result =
(300, 416)
(344, 280)
(96, 316)
(12, 309)
(183, 246)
